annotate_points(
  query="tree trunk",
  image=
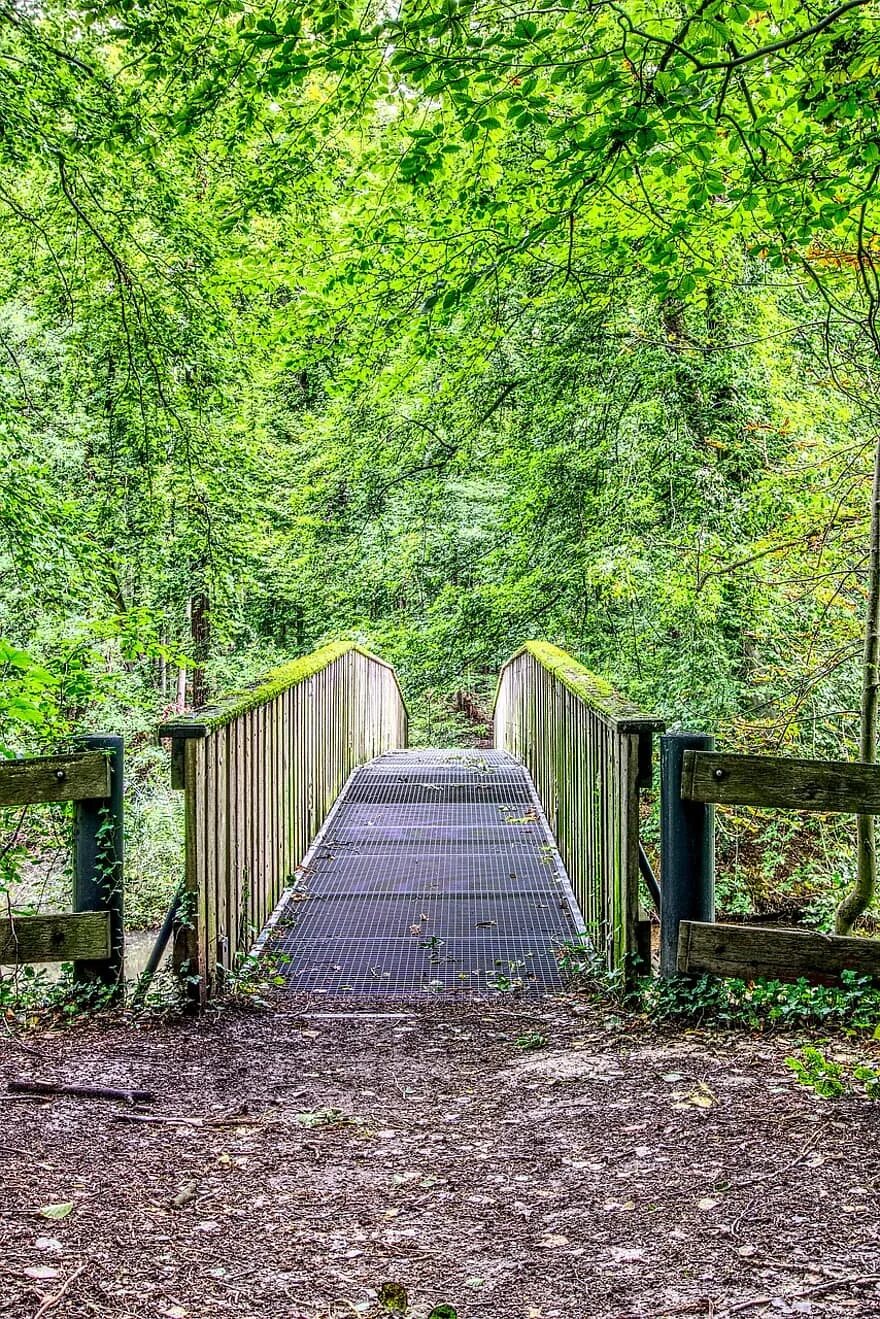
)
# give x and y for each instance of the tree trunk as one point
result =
(181, 690)
(861, 895)
(200, 625)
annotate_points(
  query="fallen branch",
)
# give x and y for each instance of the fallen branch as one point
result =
(52, 1300)
(26, 1087)
(233, 1119)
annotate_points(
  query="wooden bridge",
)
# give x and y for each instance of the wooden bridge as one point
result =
(314, 836)
(370, 869)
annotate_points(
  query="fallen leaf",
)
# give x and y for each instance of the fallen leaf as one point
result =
(708, 1203)
(56, 1211)
(51, 1244)
(393, 1298)
(443, 1312)
(185, 1194)
(624, 1256)
(701, 1097)
(552, 1239)
(42, 1273)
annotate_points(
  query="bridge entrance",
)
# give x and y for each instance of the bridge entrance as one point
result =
(435, 874)
(413, 872)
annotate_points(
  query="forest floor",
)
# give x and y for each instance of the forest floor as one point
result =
(308, 1155)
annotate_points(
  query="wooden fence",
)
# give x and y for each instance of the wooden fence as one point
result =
(90, 936)
(707, 778)
(589, 753)
(260, 772)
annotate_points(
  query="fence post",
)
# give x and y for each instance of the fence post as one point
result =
(98, 861)
(687, 848)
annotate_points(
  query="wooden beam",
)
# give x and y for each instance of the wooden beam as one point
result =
(749, 951)
(799, 785)
(65, 938)
(81, 777)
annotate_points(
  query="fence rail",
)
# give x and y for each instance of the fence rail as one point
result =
(589, 752)
(260, 772)
(695, 778)
(91, 936)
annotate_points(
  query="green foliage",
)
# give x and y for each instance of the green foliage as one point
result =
(440, 328)
(531, 1040)
(817, 1073)
(832, 1080)
(28, 699)
(30, 997)
(761, 1005)
(764, 1004)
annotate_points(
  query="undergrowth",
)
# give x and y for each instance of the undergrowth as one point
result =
(761, 1005)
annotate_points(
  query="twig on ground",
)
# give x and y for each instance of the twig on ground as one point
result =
(62, 1291)
(780, 1167)
(156, 1119)
(19, 1043)
(853, 1280)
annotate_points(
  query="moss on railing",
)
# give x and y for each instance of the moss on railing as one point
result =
(232, 704)
(595, 692)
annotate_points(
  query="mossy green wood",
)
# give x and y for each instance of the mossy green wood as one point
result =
(594, 691)
(82, 776)
(584, 745)
(259, 776)
(74, 936)
(203, 722)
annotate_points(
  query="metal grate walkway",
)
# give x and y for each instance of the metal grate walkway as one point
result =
(435, 873)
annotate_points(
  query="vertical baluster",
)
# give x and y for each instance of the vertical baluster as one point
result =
(221, 825)
(236, 850)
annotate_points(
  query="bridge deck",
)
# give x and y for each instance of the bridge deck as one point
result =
(435, 873)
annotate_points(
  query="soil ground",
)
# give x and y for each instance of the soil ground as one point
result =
(614, 1171)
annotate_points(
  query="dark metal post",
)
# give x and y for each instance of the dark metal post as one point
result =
(146, 977)
(98, 861)
(687, 849)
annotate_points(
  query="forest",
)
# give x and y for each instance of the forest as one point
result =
(443, 325)
(424, 424)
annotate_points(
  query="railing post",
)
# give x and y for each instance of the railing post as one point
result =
(98, 860)
(687, 848)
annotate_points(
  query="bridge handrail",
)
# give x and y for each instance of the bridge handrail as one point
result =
(594, 691)
(260, 770)
(204, 721)
(589, 752)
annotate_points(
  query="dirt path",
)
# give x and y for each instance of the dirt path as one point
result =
(613, 1172)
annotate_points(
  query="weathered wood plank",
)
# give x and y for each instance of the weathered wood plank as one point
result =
(79, 777)
(589, 755)
(259, 776)
(748, 951)
(801, 785)
(84, 936)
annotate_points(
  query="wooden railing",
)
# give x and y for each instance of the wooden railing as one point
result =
(91, 935)
(260, 771)
(694, 781)
(589, 753)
